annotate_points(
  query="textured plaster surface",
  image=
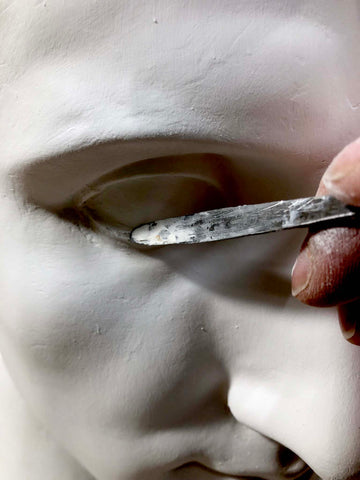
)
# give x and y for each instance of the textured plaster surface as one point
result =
(187, 362)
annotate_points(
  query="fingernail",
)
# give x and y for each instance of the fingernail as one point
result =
(333, 181)
(301, 273)
(348, 315)
(342, 177)
(349, 332)
(334, 176)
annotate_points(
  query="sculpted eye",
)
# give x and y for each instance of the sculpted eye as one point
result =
(138, 200)
(121, 202)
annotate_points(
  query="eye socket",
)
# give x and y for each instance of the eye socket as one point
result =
(127, 203)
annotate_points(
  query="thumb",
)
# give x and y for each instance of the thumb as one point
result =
(327, 271)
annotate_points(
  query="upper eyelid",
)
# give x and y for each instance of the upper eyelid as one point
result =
(203, 166)
(102, 184)
(59, 181)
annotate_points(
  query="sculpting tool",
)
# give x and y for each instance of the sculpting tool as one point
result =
(244, 220)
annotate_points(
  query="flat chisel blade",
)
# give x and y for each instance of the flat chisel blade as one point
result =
(232, 222)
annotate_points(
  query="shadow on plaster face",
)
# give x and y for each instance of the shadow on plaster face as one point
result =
(249, 269)
(252, 269)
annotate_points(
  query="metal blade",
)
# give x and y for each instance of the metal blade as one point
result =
(232, 222)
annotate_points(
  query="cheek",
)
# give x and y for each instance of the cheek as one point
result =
(78, 316)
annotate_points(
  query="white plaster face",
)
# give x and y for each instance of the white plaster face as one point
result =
(188, 362)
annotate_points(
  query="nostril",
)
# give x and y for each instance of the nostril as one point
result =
(291, 465)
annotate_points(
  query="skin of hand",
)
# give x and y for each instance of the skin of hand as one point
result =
(327, 270)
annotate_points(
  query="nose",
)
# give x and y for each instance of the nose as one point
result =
(290, 465)
(252, 456)
(263, 457)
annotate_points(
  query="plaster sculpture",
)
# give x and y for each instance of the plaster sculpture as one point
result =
(176, 363)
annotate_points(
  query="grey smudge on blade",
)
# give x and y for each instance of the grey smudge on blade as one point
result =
(232, 222)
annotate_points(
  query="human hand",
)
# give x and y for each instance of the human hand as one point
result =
(327, 270)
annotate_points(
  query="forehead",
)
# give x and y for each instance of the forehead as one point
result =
(254, 75)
